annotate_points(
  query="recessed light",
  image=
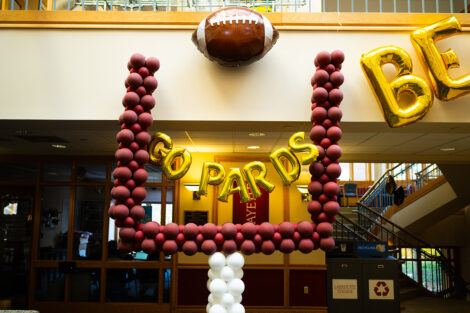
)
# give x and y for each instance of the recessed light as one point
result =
(59, 146)
(447, 149)
(253, 147)
(256, 134)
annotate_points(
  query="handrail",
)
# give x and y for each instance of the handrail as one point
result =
(377, 182)
(358, 226)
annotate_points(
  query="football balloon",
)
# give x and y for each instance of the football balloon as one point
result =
(235, 36)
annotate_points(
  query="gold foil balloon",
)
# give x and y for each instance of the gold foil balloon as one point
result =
(168, 162)
(438, 64)
(307, 147)
(156, 156)
(293, 174)
(234, 175)
(258, 180)
(388, 94)
(208, 179)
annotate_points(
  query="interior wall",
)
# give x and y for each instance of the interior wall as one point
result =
(465, 251)
(56, 74)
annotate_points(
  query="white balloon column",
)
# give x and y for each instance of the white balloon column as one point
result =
(225, 284)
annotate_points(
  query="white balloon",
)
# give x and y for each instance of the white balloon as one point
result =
(212, 299)
(237, 298)
(208, 307)
(209, 283)
(237, 308)
(235, 261)
(226, 273)
(227, 300)
(238, 274)
(217, 261)
(217, 308)
(218, 287)
(235, 286)
(213, 274)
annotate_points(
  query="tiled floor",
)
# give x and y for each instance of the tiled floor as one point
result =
(435, 305)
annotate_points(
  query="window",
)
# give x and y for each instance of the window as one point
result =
(360, 171)
(345, 172)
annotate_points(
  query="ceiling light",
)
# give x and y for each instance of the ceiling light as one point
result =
(194, 188)
(447, 149)
(59, 146)
(253, 147)
(256, 134)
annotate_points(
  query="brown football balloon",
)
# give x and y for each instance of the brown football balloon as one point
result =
(235, 36)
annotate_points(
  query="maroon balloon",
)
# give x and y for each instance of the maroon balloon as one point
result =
(239, 238)
(248, 230)
(266, 230)
(125, 136)
(335, 96)
(337, 57)
(331, 189)
(247, 247)
(330, 68)
(160, 239)
(334, 152)
(189, 247)
(171, 230)
(319, 114)
(125, 247)
(337, 78)
(320, 94)
(277, 238)
(122, 173)
(315, 188)
(323, 58)
(129, 203)
(209, 247)
(120, 193)
(141, 91)
(316, 169)
(287, 246)
(335, 114)
(324, 179)
(137, 212)
(229, 230)
(331, 208)
(153, 64)
(137, 60)
(134, 80)
(327, 244)
(145, 120)
(317, 133)
(149, 246)
(190, 231)
(334, 133)
(124, 155)
(111, 212)
(147, 102)
(136, 128)
(325, 229)
(268, 247)
(314, 207)
(139, 236)
(129, 117)
(209, 230)
(143, 138)
(327, 123)
(144, 72)
(229, 246)
(306, 245)
(134, 146)
(170, 247)
(150, 83)
(127, 234)
(296, 237)
(140, 176)
(130, 99)
(180, 240)
(139, 194)
(151, 229)
(286, 229)
(139, 109)
(305, 229)
(141, 156)
(320, 77)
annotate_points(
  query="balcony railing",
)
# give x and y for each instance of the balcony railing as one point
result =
(372, 6)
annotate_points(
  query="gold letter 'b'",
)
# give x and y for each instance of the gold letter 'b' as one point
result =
(388, 94)
(424, 41)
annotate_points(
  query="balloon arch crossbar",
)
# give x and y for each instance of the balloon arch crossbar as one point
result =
(130, 174)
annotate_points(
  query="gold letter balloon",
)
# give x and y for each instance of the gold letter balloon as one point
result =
(306, 147)
(293, 174)
(157, 156)
(388, 94)
(260, 179)
(438, 64)
(208, 179)
(167, 166)
(234, 175)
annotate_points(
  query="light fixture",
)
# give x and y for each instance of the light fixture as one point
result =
(253, 147)
(256, 134)
(193, 187)
(59, 146)
(303, 189)
(447, 149)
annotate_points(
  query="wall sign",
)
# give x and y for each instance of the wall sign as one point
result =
(344, 289)
(256, 211)
(381, 289)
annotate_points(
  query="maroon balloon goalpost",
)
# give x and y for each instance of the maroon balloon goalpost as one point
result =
(130, 174)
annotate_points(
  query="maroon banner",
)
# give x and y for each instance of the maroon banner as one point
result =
(256, 211)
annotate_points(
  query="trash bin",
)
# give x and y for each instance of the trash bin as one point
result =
(380, 285)
(344, 287)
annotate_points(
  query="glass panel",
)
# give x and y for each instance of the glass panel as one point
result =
(155, 173)
(57, 171)
(18, 171)
(50, 285)
(359, 171)
(55, 205)
(345, 175)
(378, 170)
(85, 285)
(166, 285)
(91, 172)
(169, 206)
(88, 227)
(113, 167)
(15, 239)
(132, 285)
(153, 205)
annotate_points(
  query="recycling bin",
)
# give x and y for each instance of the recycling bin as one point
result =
(344, 287)
(380, 285)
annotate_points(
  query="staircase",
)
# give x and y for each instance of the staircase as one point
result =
(425, 269)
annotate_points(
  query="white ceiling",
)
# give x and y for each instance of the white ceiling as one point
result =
(360, 142)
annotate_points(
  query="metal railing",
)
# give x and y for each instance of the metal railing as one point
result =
(376, 6)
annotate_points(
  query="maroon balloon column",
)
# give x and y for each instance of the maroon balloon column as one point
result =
(326, 132)
(132, 155)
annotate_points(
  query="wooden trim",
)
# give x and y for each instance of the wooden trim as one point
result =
(258, 309)
(189, 20)
(261, 266)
